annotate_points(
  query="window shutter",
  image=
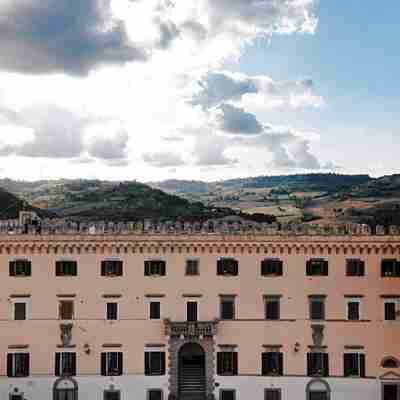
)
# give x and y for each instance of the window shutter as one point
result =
(119, 268)
(75, 268)
(235, 267)
(147, 268)
(264, 363)
(26, 364)
(9, 365)
(162, 269)
(12, 268)
(59, 270)
(325, 268)
(309, 364)
(104, 364)
(103, 268)
(120, 363)
(220, 268)
(147, 363)
(220, 362)
(361, 271)
(280, 363)
(326, 363)
(280, 268)
(162, 355)
(308, 268)
(264, 267)
(57, 369)
(73, 363)
(397, 273)
(235, 363)
(347, 364)
(362, 365)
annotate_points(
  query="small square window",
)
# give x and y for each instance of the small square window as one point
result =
(65, 364)
(390, 268)
(355, 267)
(155, 268)
(20, 268)
(192, 267)
(66, 268)
(18, 365)
(227, 267)
(271, 267)
(317, 267)
(354, 364)
(111, 268)
(317, 364)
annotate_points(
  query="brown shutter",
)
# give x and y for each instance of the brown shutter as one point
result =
(308, 268)
(59, 268)
(220, 267)
(12, 268)
(163, 268)
(103, 364)
(235, 267)
(147, 268)
(309, 364)
(162, 355)
(326, 364)
(147, 370)
(362, 365)
(347, 364)
(280, 268)
(220, 363)
(103, 268)
(280, 363)
(9, 365)
(57, 369)
(264, 364)
(235, 363)
(120, 363)
(325, 268)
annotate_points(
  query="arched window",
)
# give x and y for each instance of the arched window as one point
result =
(390, 362)
(318, 389)
(65, 389)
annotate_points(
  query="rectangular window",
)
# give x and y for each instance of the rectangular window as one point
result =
(317, 267)
(20, 268)
(317, 308)
(227, 363)
(111, 364)
(271, 267)
(18, 365)
(225, 394)
(272, 394)
(16, 397)
(191, 311)
(66, 268)
(155, 310)
(154, 363)
(66, 309)
(355, 267)
(390, 310)
(390, 268)
(272, 307)
(112, 395)
(192, 267)
(272, 363)
(318, 395)
(65, 364)
(227, 307)
(112, 311)
(354, 364)
(155, 394)
(19, 311)
(227, 267)
(353, 310)
(154, 268)
(111, 268)
(317, 364)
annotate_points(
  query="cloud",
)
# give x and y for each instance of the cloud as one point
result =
(236, 120)
(163, 159)
(168, 33)
(109, 148)
(209, 150)
(53, 36)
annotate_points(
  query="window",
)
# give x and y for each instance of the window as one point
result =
(318, 395)
(155, 394)
(317, 364)
(20, 268)
(192, 267)
(317, 267)
(112, 395)
(272, 307)
(16, 397)
(225, 394)
(66, 309)
(66, 268)
(390, 268)
(317, 307)
(227, 267)
(272, 394)
(17, 365)
(390, 310)
(65, 364)
(271, 267)
(227, 307)
(355, 267)
(65, 394)
(354, 364)
(155, 310)
(111, 268)
(111, 364)
(390, 362)
(112, 311)
(154, 363)
(20, 311)
(227, 363)
(272, 363)
(191, 311)
(353, 310)
(154, 268)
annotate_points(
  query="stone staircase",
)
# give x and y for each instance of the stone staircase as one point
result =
(192, 383)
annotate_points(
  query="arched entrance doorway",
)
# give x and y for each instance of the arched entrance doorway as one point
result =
(318, 389)
(65, 388)
(192, 372)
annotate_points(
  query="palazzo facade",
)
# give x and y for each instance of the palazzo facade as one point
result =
(199, 317)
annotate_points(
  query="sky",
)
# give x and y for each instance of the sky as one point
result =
(198, 89)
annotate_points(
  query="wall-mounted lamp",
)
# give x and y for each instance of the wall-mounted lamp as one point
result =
(296, 347)
(87, 348)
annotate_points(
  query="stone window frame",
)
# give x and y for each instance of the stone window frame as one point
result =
(26, 299)
(319, 381)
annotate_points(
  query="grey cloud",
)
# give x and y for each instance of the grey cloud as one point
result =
(210, 150)
(53, 36)
(109, 148)
(161, 159)
(195, 28)
(168, 33)
(236, 120)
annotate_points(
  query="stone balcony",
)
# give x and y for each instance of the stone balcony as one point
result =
(188, 329)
